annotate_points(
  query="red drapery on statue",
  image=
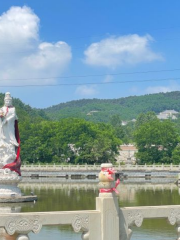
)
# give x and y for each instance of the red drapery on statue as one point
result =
(15, 166)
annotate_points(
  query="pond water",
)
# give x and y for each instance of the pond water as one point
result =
(67, 196)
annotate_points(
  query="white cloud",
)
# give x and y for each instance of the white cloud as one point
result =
(116, 51)
(172, 86)
(134, 89)
(23, 54)
(18, 24)
(86, 91)
(108, 78)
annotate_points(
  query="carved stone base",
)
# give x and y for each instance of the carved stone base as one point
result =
(8, 184)
(9, 191)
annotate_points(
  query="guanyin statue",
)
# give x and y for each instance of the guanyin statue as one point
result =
(9, 137)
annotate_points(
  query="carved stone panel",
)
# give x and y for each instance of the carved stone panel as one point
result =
(80, 223)
(174, 216)
(23, 225)
(134, 218)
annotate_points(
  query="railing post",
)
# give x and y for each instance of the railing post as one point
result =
(171, 166)
(69, 166)
(119, 166)
(107, 204)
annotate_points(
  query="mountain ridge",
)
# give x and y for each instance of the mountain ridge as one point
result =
(127, 107)
(99, 110)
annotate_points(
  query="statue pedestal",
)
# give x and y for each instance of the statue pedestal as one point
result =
(8, 184)
(9, 191)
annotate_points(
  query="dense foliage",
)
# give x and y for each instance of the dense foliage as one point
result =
(156, 141)
(69, 140)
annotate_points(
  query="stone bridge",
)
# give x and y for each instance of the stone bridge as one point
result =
(143, 172)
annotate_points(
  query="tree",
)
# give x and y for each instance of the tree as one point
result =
(144, 118)
(116, 122)
(176, 155)
(156, 141)
(50, 142)
(128, 132)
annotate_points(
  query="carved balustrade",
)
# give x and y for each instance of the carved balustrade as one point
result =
(115, 223)
(129, 216)
(53, 167)
(107, 222)
(87, 222)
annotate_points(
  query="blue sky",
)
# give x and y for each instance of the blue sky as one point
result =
(57, 51)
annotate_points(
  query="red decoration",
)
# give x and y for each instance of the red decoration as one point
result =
(110, 172)
(15, 166)
(103, 190)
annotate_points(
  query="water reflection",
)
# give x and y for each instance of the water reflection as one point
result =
(67, 196)
(81, 196)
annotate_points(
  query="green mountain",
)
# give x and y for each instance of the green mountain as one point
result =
(25, 112)
(100, 110)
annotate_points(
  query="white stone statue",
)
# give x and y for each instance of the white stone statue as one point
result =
(9, 136)
(10, 161)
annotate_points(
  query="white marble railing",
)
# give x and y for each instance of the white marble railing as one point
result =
(87, 222)
(53, 167)
(49, 167)
(107, 222)
(130, 216)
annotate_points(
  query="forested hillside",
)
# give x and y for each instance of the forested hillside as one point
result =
(99, 110)
(128, 108)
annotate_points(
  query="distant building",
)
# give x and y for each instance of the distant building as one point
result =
(168, 114)
(124, 123)
(91, 112)
(127, 154)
